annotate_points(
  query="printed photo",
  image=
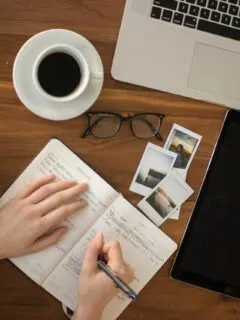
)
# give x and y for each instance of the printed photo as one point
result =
(156, 163)
(161, 202)
(184, 143)
(166, 198)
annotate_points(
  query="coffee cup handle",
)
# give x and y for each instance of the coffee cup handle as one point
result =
(97, 75)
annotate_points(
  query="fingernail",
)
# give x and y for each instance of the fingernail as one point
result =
(85, 186)
(99, 235)
(84, 202)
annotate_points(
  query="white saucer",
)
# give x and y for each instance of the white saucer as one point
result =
(32, 98)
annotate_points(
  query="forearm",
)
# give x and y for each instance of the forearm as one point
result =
(85, 313)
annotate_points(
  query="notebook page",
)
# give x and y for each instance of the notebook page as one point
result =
(145, 248)
(58, 159)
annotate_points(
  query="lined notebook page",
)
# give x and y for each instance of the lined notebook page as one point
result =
(56, 158)
(145, 248)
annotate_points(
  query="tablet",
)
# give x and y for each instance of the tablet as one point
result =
(209, 255)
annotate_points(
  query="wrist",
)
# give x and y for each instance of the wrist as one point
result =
(88, 313)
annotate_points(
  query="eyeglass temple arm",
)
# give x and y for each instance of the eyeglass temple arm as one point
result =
(87, 132)
(158, 136)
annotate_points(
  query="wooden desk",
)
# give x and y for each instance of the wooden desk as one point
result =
(22, 134)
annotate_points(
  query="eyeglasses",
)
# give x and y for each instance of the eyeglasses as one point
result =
(105, 125)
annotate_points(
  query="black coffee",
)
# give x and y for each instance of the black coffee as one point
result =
(59, 74)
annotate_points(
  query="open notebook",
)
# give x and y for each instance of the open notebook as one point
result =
(57, 269)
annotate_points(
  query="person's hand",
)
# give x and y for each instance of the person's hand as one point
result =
(30, 221)
(96, 289)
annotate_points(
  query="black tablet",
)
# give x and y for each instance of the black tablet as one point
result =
(209, 255)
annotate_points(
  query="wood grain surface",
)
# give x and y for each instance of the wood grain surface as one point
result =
(22, 135)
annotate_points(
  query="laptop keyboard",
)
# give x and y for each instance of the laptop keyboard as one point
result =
(219, 17)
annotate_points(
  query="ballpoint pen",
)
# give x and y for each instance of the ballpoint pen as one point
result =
(117, 281)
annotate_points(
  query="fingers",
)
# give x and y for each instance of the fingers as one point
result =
(55, 217)
(113, 251)
(49, 240)
(91, 256)
(60, 198)
(34, 185)
(48, 189)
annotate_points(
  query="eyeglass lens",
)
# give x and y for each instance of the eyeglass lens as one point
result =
(104, 126)
(145, 126)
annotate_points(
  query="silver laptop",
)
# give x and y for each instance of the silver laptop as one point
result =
(190, 48)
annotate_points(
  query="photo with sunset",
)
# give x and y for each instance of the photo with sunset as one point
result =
(184, 145)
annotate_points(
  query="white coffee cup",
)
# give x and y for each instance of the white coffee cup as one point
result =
(79, 57)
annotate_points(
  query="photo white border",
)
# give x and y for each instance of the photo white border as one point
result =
(150, 212)
(188, 132)
(139, 188)
(183, 174)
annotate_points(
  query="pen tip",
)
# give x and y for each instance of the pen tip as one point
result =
(134, 296)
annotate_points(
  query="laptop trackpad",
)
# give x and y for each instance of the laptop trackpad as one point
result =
(215, 70)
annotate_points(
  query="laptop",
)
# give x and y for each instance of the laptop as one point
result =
(186, 47)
